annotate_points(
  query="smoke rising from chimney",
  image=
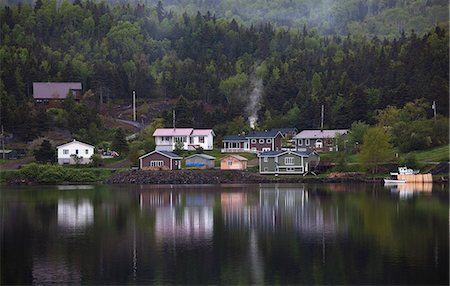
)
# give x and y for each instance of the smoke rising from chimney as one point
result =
(254, 103)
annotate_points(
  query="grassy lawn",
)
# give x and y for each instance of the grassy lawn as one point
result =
(434, 155)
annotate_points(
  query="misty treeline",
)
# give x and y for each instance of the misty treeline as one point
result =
(213, 65)
(386, 18)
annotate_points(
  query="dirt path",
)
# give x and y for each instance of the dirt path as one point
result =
(15, 164)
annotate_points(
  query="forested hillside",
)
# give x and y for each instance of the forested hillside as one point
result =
(385, 18)
(217, 66)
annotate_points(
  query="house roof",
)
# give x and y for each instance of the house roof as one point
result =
(240, 158)
(164, 153)
(204, 156)
(173, 132)
(281, 152)
(263, 134)
(5, 151)
(202, 132)
(286, 130)
(234, 138)
(54, 90)
(313, 134)
(75, 141)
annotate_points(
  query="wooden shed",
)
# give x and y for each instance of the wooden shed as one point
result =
(233, 162)
(200, 161)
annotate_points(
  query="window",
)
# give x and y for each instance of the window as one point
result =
(266, 159)
(253, 140)
(201, 139)
(265, 169)
(268, 140)
(265, 149)
(289, 160)
(230, 163)
(261, 141)
(86, 151)
(307, 142)
(66, 151)
(166, 138)
(76, 151)
(156, 163)
(300, 142)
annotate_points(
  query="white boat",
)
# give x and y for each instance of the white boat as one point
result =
(401, 171)
(404, 171)
(389, 181)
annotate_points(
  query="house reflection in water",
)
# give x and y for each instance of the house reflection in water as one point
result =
(177, 223)
(75, 215)
(282, 208)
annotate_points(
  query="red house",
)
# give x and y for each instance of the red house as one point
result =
(160, 160)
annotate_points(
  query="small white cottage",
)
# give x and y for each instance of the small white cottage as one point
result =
(75, 152)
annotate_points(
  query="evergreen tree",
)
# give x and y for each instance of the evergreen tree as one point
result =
(46, 153)
(119, 142)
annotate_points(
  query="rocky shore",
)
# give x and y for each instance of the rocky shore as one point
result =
(225, 177)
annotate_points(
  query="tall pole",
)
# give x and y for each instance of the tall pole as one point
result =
(173, 119)
(3, 144)
(134, 105)
(434, 109)
(321, 122)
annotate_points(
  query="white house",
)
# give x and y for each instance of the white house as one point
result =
(68, 151)
(192, 139)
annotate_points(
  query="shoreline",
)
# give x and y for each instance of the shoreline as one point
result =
(214, 177)
(190, 177)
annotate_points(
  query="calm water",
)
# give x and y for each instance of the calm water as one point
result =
(261, 234)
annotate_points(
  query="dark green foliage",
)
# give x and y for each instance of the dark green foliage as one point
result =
(46, 153)
(57, 174)
(119, 142)
(113, 50)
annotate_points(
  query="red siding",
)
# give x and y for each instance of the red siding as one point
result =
(145, 162)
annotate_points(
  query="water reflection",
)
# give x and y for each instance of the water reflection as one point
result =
(251, 234)
(408, 190)
(75, 215)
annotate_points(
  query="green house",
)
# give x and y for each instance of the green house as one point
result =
(287, 162)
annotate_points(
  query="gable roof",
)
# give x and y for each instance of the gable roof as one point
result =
(74, 141)
(234, 138)
(240, 158)
(54, 90)
(204, 156)
(281, 152)
(202, 132)
(173, 132)
(286, 130)
(164, 153)
(264, 134)
(312, 134)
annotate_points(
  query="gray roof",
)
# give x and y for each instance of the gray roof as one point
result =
(315, 134)
(170, 154)
(54, 90)
(263, 134)
(234, 138)
(164, 153)
(281, 152)
(204, 156)
(286, 130)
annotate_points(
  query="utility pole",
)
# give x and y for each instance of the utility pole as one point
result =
(321, 122)
(134, 105)
(3, 144)
(173, 119)
(434, 109)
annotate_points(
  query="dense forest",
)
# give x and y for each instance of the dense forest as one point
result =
(213, 66)
(385, 18)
